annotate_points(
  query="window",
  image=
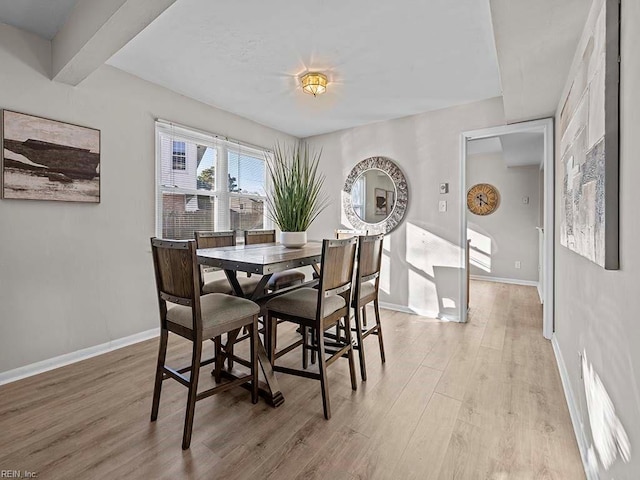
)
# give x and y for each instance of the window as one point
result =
(221, 185)
(358, 194)
(179, 157)
(246, 173)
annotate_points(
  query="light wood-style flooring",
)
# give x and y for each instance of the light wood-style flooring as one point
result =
(475, 401)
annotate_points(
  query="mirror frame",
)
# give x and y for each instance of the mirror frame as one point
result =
(394, 219)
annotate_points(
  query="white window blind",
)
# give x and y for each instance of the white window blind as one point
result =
(221, 187)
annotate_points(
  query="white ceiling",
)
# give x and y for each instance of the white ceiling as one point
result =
(484, 146)
(536, 41)
(518, 149)
(522, 149)
(42, 17)
(384, 59)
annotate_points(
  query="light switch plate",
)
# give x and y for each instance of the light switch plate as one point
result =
(442, 206)
(444, 188)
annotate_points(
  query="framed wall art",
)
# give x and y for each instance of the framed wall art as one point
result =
(46, 159)
(381, 201)
(588, 167)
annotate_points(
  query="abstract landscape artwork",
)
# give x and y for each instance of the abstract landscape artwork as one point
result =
(589, 144)
(49, 160)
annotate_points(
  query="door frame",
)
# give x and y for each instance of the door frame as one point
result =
(546, 127)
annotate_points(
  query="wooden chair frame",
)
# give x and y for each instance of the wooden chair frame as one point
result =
(253, 237)
(370, 250)
(213, 240)
(184, 289)
(336, 278)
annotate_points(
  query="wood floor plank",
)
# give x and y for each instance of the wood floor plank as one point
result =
(479, 400)
(338, 458)
(455, 377)
(424, 455)
(394, 431)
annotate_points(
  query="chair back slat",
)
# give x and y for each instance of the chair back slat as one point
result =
(369, 257)
(176, 272)
(368, 278)
(344, 233)
(338, 258)
(253, 237)
(215, 239)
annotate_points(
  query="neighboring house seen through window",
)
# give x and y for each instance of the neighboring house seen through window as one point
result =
(179, 157)
(207, 184)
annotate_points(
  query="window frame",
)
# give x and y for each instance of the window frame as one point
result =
(222, 197)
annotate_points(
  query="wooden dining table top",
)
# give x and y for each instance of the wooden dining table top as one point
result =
(263, 259)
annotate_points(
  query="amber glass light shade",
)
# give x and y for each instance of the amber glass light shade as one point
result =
(314, 83)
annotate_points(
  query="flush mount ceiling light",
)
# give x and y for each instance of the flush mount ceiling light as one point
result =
(314, 83)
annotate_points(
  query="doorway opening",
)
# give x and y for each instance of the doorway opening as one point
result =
(507, 209)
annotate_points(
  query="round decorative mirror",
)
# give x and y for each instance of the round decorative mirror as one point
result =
(375, 195)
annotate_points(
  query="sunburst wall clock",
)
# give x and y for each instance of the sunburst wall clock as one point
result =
(483, 199)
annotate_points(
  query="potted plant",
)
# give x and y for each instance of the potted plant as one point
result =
(296, 198)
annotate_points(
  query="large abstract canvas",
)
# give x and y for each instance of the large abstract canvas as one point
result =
(589, 143)
(49, 160)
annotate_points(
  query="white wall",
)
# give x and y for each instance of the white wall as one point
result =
(78, 275)
(509, 234)
(598, 311)
(422, 265)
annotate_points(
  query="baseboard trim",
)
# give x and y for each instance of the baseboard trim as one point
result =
(512, 281)
(73, 357)
(540, 293)
(578, 429)
(397, 308)
(401, 308)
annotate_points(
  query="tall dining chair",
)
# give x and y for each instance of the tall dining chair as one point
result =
(318, 310)
(278, 280)
(367, 284)
(184, 312)
(222, 285)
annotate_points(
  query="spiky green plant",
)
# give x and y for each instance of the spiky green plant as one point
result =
(297, 196)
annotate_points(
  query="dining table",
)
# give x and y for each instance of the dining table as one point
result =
(265, 260)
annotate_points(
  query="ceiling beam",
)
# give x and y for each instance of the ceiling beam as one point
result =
(95, 30)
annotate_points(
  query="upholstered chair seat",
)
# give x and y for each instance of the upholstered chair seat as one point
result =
(303, 302)
(222, 285)
(218, 310)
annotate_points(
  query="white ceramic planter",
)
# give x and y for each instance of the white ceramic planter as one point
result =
(293, 239)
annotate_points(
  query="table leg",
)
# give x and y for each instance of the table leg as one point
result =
(261, 287)
(269, 389)
(233, 280)
(272, 390)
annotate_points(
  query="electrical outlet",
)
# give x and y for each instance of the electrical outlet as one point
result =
(442, 206)
(444, 188)
(525, 200)
(518, 264)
